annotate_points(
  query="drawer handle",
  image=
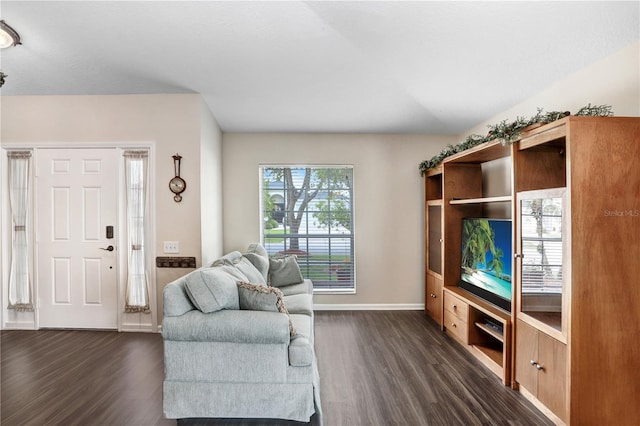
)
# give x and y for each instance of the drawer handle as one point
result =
(453, 324)
(536, 365)
(455, 307)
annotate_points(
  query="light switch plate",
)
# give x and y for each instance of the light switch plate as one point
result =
(171, 247)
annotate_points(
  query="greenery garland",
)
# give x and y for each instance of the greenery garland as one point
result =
(509, 132)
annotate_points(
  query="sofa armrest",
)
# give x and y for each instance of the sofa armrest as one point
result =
(300, 352)
(175, 300)
(233, 326)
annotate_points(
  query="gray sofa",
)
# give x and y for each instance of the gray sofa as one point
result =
(238, 350)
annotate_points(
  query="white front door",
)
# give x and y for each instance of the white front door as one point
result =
(76, 201)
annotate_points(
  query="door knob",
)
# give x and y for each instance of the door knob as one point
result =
(110, 248)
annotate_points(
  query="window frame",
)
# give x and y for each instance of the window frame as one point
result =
(261, 168)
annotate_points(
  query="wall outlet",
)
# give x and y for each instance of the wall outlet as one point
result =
(171, 247)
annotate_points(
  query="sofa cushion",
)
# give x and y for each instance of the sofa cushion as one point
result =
(213, 289)
(246, 267)
(256, 297)
(298, 304)
(305, 287)
(257, 255)
(284, 271)
(228, 325)
(238, 261)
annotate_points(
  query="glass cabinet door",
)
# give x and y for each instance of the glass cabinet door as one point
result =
(541, 254)
(435, 239)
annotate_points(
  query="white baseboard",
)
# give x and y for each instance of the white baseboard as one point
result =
(19, 325)
(137, 328)
(369, 307)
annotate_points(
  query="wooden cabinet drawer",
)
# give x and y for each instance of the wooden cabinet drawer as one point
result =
(456, 306)
(456, 326)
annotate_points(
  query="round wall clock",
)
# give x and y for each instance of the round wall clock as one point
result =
(177, 185)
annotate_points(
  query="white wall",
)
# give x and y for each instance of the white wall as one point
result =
(388, 202)
(615, 81)
(172, 123)
(211, 187)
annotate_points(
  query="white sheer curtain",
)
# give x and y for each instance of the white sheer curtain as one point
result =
(19, 281)
(137, 294)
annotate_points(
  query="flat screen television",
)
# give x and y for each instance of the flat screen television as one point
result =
(485, 268)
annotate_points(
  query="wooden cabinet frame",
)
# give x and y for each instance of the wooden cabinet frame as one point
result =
(596, 162)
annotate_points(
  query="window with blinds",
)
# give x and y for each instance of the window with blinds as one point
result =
(307, 211)
(541, 236)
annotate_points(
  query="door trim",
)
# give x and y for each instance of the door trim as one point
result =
(126, 321)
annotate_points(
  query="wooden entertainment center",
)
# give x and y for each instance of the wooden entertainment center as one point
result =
(571, 342)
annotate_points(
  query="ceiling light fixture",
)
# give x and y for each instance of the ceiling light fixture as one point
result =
(8, 36)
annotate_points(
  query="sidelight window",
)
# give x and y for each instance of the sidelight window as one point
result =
(20, 294)
(137, 293)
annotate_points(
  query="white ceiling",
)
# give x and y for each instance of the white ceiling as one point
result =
(379, 67)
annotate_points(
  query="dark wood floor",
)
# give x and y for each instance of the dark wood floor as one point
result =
(376, 368)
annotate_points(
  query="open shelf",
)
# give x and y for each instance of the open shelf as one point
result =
(434, 202)
(545, 135)
(500, 199)
(482, 153)
(494, 333)
(433, 184)
(493, 353)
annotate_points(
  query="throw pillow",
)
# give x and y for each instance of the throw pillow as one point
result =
(258, 297)
(284, 271)
(212, 289)
(258, 256)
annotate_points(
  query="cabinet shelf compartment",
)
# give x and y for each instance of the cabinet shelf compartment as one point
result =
(540, 164)
(494, 333)
(493, 354)
(547, 322)
(433, 184)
